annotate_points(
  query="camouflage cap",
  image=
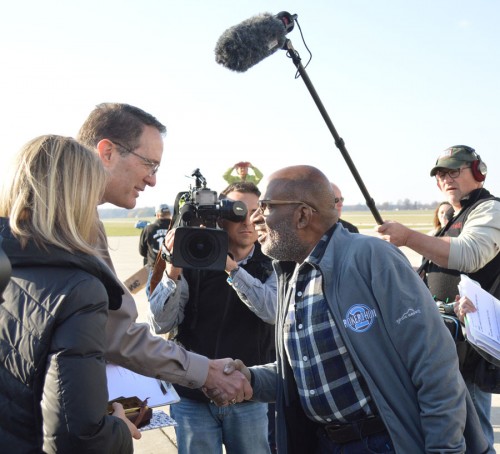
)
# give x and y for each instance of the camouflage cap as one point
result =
(454, 157)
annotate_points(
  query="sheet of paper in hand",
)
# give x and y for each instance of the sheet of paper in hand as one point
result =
(482, 326)
(125, 383)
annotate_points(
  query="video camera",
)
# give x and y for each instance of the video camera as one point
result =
(199, 242)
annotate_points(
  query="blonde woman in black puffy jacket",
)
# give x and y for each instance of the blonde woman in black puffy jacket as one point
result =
(53, 391)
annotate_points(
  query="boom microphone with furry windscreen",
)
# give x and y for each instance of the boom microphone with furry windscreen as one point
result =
(246, 44)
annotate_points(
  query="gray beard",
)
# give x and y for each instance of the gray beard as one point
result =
(282, 243)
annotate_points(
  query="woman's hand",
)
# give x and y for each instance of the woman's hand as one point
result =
(119, 412)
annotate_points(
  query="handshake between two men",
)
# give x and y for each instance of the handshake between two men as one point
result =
(235, 382)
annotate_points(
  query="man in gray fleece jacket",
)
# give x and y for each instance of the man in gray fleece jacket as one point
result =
(364, 362)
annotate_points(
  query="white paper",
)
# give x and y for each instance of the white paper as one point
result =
(483, 326)
(125, 383)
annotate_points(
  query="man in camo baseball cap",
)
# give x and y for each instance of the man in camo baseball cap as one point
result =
(454, 157)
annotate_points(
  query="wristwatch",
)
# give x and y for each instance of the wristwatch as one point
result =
(231, 275)
(165, 254)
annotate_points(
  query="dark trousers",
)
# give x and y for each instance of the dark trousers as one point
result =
(380, 443)
(271, 428)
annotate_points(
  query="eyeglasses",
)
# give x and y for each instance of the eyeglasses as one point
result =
(339, 199)
(452, 173)
(154, 166)
(263, 204)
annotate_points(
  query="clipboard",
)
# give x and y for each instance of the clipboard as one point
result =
(126, 383)
(483, 326)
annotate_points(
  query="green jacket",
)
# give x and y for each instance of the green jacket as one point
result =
(250, 178)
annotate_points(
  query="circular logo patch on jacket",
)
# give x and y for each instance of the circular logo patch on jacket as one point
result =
(359, 318)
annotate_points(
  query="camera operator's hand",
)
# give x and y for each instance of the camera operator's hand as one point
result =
(172, 271)
(230, 264)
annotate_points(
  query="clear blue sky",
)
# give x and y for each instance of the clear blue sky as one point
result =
(401, 81)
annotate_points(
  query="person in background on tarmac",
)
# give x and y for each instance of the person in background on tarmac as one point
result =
(152, 235)
(339, 203)
(242, 174)
(442, 214)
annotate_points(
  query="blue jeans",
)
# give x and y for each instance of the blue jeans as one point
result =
(377, 443)
(204, 427)
(482, 404)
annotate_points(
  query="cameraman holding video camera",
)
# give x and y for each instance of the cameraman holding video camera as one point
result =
(212, 311)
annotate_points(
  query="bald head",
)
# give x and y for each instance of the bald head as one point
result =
(338, 196)
(300, 208)
(305, 183)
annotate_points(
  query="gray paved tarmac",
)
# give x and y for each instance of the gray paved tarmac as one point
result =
(126, 259)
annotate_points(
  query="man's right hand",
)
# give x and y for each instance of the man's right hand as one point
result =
(393, 232)
(224, 387)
